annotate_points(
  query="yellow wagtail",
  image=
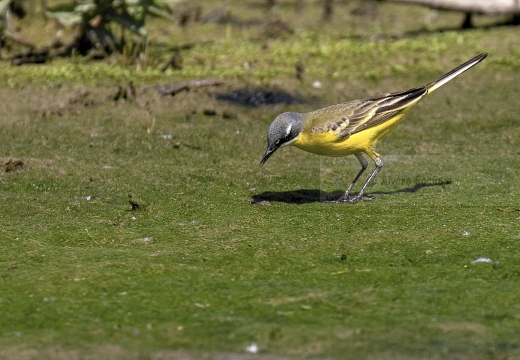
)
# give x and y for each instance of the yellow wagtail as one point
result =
(352, 128)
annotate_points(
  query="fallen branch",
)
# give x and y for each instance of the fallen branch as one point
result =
(172, 89)
(19, 40)
(33, 57)
(470, 6)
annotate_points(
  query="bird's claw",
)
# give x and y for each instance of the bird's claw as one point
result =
(353, 199)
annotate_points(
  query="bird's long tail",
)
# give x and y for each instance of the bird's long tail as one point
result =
(455, 72)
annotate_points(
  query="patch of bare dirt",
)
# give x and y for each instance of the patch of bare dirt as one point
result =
(207, 97)
(115, 352)
(12, 165)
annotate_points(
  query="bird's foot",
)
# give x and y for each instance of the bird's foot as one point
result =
(353, 199)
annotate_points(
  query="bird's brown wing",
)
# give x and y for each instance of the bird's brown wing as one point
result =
(355, 116)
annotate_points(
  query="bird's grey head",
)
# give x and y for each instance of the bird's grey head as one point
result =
(282, 131)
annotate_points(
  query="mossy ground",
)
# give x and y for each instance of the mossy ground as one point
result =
(390, 278)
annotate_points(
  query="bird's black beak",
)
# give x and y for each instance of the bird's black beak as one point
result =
(268, 154)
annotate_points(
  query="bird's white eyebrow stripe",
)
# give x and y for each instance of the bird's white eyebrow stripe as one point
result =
(288, 130)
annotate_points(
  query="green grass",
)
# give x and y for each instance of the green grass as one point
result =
(391, 278)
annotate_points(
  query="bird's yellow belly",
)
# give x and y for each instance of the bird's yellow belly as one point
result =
(328, 143)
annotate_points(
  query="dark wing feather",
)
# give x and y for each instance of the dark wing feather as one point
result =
(389, 105)
(375, 120)
(349, 118)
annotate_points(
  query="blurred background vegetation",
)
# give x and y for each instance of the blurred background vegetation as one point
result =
(34, 31)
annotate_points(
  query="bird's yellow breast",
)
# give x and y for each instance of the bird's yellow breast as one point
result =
(330, 144)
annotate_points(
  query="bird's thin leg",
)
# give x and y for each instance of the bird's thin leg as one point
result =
(364, 165)
(361, 194)
(345, 197)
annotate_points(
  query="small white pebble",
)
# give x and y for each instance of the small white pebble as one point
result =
(316, 84)
(252, 349)
(482, 260)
